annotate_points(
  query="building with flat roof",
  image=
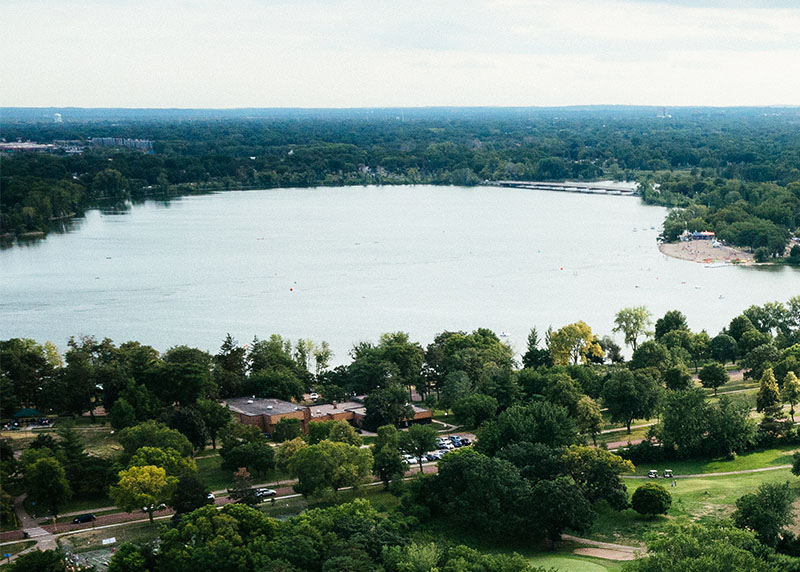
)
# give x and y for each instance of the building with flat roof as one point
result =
(265, 413)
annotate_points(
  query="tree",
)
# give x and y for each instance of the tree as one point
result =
(142, 487)
(341, 431)
(168, 459)
(539, 422)
(387, 462)
(256, 456)
(287, 429)
(418, 440)
(190, 494)
(681, 546)
(589, 419)
(767, 512)
(759, 359)
(230, 367)
(684, 422)
(731, 429)
(630, 396)
(611, 349)
(739, 326)
(130, 557)
(46, 484)
(228, 540)
(284, 453)
(559, 505)
(562, 390)
(633, 322)
(215, 416)
(388, 405)
(768, 396)
(597, 474)
(39, 561)
(699, 348)
(573, 342)
(122, 415)
(651, 499)
(243, 491)
(673, 320)
(535, 356)
(723, 349)
(650, 354)
(189, 421)
(474, 409)
(713, 376)
(677, 378)
(153, 434)
(329, 466)
(791, 391)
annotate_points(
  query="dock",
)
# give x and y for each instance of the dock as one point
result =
(628, 189)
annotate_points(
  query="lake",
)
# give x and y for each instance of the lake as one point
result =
(346, 264)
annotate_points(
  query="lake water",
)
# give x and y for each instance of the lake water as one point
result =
(346, 264)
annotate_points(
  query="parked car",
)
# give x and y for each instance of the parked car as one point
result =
(652, 474)
(446, 445)
(314, 396)
(83, 518)
(465, 441)
(264, 493)
(159, 506)
(210, 498)
(668, 474)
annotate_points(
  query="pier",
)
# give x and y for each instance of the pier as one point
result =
(597, 188)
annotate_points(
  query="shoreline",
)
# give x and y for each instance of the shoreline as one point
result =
(703, 252)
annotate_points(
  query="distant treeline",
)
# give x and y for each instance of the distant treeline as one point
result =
(740, 170)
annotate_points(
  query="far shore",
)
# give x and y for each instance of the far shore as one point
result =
(702, 251)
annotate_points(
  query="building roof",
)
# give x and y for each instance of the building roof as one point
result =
(260, 406)
(324, 409)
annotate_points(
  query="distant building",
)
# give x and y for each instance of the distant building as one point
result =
(265, 413)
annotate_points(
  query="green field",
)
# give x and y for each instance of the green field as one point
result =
(746, 461)
(695, 498)
(575, 563)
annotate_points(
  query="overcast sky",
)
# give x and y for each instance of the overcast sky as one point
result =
(376, 53)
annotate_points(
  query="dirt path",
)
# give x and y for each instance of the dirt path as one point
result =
(605, 550)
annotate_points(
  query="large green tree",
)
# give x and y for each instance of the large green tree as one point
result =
(143, 488)
(329, 466)
(629, 396)
(633, 322)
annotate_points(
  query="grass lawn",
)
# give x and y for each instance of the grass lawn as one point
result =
(574, 563)
(209, 470)
(696, 498)
(93, 539)
(16, 547)
(745, 461)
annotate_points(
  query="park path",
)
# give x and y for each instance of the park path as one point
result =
(605, 550)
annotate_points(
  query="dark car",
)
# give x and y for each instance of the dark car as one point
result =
(83, 518)
(465, 441)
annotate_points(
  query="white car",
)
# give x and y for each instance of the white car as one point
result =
(313, 396)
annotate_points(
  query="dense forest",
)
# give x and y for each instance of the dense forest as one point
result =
(734, 171)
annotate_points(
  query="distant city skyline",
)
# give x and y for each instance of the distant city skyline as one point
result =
(356, 53)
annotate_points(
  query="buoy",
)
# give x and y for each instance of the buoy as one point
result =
(562, 268)
(291, 289)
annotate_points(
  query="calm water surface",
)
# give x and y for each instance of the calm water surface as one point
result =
(346, 264)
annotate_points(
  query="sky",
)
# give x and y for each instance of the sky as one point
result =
(395, 53)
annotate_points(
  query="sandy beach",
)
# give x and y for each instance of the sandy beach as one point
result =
(703, 251)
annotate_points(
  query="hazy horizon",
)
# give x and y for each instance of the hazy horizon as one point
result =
(355, 54)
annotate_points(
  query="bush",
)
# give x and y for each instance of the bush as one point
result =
(761, 254)
(651, 499)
